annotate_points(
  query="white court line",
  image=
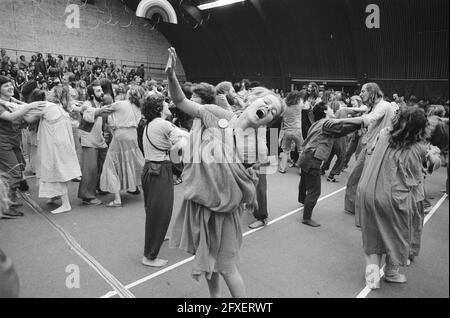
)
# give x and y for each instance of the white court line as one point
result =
(187, 260)
(367, 290)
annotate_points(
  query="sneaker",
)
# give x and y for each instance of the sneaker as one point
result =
(257, 224)
(310, 222)
(281, 171)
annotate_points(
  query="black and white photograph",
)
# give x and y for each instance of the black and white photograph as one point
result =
(251, 151)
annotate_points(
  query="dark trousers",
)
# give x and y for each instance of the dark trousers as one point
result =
(157, 184)
(310, 183)
(92, 160)
(338, 150)
(261, 196)
(12, 164)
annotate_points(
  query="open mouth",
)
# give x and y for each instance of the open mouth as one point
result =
(261, 113)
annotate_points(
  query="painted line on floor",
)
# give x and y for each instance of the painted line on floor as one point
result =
(76, 247)
(367, 290)
(187, 260)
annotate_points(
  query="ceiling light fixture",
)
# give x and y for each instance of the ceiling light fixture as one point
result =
(218, 3)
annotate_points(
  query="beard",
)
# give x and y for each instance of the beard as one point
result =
(99, 99)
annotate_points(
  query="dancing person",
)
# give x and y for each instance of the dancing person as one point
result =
(12, 162)
(160, 137)
(379, 117)
(390, 195)
(124, 161)
(311, 100)
(93, 144)
(57, 158)
(252, 143)
(208, 224)
(291, 127)
(317, 148)
(339, 144)
(354, 144)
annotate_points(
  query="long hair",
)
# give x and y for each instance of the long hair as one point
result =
(135, 95)
(314, 90)
(107, 88)
(60, 95)
(408, 127)
(374, 93)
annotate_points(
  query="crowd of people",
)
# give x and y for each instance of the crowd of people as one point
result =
(49, 70)
(119, 134)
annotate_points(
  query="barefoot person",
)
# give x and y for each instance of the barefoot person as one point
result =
(159, 138)
(390, 193)
(216, 186)
(57, 157)
(124, 161)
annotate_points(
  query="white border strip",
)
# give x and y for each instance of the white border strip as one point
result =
(187, 260)
(367, 290)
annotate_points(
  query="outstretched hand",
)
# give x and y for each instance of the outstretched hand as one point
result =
(171, 62)
(39, 105)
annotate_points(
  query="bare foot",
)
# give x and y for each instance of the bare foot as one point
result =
(157, 262)
(61, 209)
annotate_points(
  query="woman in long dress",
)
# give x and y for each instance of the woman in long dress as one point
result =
(390, 193)
(57, 161)
(124, 162)
(217, 186)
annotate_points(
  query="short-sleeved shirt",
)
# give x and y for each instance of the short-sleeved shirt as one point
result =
(10, 132)
(158, 138)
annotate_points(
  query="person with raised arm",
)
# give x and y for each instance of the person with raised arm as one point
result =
(217, 183)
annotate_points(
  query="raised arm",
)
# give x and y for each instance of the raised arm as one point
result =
(176, 93)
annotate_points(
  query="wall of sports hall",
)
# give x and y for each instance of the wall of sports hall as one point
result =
(285, 42)
(107, 29)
